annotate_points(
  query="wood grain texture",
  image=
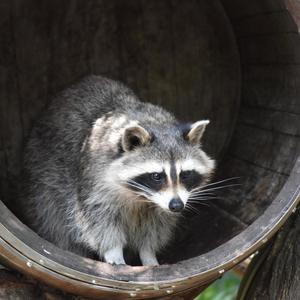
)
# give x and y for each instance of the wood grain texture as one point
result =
(247, 9)
(264, 24)
(14, 286)
(266, 143)
(168, 52)
(184, 56)
(278, 276)
(275, 87)
(11, 126)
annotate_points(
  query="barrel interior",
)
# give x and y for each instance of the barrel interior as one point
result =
(234, 62)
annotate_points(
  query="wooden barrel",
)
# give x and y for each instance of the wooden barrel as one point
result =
(232, 61)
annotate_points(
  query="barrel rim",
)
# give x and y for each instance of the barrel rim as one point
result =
(209, 266)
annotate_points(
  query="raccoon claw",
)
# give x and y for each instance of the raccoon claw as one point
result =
(115, 256)
(117, 263)
(152, 262)
(148, 258)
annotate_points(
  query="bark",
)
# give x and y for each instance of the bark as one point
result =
(278, 277)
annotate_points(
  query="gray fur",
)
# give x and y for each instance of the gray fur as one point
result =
(71, 191)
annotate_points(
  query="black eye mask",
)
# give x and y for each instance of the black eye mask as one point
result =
(190, 179)
(152, 181)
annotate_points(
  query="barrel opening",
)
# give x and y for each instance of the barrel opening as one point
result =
(233, 62)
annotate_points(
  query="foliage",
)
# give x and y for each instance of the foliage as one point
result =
(223, 289)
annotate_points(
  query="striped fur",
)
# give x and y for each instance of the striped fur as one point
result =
(80, 163)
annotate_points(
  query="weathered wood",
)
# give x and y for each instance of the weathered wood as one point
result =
(247, 9)
(269, 49)
(169, 52)
(258, 188)
(276, 87)
(42, 260)
(264, 24)
(14, 286)
(184, 56)
(277, 276)
(285, 123)
(11, 126)
(277, 151)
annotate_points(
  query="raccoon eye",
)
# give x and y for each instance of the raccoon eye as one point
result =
(186, 174)
(156, 176)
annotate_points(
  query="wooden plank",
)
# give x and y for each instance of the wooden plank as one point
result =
(223, 225)
(237, 9)
(11, 132)
(169, 53)
(274, 87)
(133, 63)
(271, 120)
(50, 50)
(278, 48)
(205, 53)
(258, 187)
(277, 22)
(102, 38)
(3, 177)
(16, 286)
(271, 150)
(159, 54)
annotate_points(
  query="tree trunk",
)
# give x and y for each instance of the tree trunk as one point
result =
(277, 275)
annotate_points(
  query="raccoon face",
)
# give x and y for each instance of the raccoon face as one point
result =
(163, 167)
(169, 184)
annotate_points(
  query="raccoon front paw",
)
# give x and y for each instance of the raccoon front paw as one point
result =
(115, 256)
(148, 257)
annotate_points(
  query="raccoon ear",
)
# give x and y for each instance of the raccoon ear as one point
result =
(135, 136)
(195, 132)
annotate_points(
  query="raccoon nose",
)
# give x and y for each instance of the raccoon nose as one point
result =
(176, 205)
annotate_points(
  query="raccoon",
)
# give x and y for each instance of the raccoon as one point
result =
(103, 171)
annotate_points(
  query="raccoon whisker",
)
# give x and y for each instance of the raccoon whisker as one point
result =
(192, 209)
(144, 200)
(134, 182)
(212, 189)
(224, 180)
(189, 209)
(202, 198)
(143, 197)
(201, 191)
(198, 200)
(218, 188)
(204, 204)
(222, 187)
(202, 194)
(216, 182)
(208, 198)
(138, 184)
(141, 188)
